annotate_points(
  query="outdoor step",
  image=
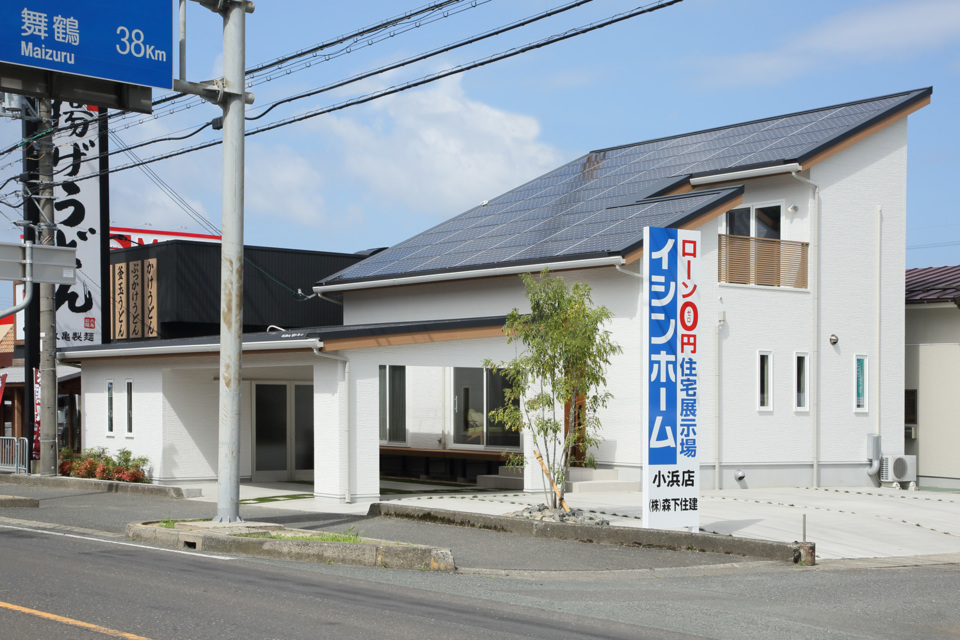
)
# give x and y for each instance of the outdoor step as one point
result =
(594, 486)
(500, 482)
(585, 474)
(511, 472)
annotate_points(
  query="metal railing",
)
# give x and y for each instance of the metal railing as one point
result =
(762, 261)
(13, 454)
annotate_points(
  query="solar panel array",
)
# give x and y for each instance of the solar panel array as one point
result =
(578, 209)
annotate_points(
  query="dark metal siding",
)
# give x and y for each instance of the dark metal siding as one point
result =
(188, 286)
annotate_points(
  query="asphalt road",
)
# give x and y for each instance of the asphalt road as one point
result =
(68, 559)
(472, 548)
(172, 595)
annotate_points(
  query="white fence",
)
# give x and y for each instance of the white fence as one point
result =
(13, 454)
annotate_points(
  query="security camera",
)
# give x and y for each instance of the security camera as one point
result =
(739, 475)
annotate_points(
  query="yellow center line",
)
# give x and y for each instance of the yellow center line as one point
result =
(72, 622)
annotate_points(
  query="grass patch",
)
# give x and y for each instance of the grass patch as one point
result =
(321, 536)
(167, 523)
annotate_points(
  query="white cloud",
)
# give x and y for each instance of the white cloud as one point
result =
(890, 31)
(438, 152)
(281, 182)
(138, 203)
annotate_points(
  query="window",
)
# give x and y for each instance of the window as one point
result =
(109, 407)
(477, 392)
(765, 381)
(801, 381)
(755, 222)
(393, 404)
(861, 373)
(129, 396)
(910, 406)
(752, 251)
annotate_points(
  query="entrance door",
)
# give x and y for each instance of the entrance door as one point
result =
(283, 432)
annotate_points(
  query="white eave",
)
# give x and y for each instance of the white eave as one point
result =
(606, 261)
(189, 349)
(734, 176)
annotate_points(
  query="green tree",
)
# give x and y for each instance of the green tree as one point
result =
(558, 378)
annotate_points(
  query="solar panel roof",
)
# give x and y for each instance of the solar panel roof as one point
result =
(598, 204)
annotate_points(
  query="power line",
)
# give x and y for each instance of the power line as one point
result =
(169, 191)
(935, 245)
(313, 51)
(571, 33)
(366, 31)
(424, 56)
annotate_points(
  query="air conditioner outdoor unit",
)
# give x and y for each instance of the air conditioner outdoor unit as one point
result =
(898, 469)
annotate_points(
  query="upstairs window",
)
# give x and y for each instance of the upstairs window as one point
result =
(752, 252)
(755, 222)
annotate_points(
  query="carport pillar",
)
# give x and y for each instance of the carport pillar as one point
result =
(346, 431)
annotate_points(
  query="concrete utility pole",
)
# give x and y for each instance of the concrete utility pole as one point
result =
(48, 312)
(231, 262)
(230, 95)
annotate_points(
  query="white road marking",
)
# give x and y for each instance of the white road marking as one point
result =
(194, 554)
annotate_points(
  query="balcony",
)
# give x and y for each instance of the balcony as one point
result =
(762, 261)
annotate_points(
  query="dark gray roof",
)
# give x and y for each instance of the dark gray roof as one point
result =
(933, 284)
(598, 204)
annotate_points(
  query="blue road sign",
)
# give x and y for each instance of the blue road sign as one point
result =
(127, 41)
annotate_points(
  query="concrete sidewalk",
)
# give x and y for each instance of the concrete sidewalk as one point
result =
(844, 523)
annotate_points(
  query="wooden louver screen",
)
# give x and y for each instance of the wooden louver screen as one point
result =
(762, 261)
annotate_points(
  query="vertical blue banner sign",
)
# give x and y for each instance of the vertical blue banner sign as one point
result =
(671, 312)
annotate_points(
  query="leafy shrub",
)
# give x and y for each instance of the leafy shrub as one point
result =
(103, 472)
(85, 468)
(95, 462)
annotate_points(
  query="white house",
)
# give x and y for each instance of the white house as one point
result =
(802, 219)
(931, 420)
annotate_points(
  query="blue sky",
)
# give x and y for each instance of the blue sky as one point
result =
(373, 175)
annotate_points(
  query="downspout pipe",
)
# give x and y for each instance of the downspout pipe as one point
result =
(345, 473)
(721, 319)
(815, 351)
(877, 363)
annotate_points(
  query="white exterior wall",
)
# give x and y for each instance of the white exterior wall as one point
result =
(854, 183)
(933, 368)
(772, 447)
(474, 298)
(176, 409)
(147, 436)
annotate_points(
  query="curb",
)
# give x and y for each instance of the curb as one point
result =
(376, 553)
(795, 552)
(105, 486)
(17, 501)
